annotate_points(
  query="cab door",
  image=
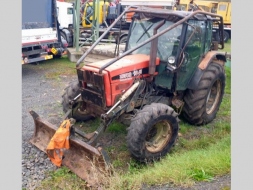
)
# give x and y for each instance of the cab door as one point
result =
(65, 14)
(69, 17)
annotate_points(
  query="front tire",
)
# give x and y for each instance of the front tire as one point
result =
(152, 132)
(71, 91)
(202, 105)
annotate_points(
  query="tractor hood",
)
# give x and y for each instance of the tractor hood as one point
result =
(126, 68)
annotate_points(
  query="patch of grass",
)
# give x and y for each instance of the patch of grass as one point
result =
(181, 169)
(200, 175)
(117, 163)
(227, 46)
(184, 127)
(202, 139)
(62, 67)
(116, 127)
(123, 148)
(89, 126)
(62, 178)
(228, 80)
(225, 108)
(60, 173)
(134, 166)
(55, 68)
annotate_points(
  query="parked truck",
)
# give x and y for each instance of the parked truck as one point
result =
(65, 11)
(41, 38)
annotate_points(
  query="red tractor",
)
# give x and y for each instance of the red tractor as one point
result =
(171, 66)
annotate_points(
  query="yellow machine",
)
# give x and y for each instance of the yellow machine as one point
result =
(224, 9)
(216, 7)
(209, 6)
(87, 14)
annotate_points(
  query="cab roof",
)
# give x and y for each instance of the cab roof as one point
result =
(175, 15)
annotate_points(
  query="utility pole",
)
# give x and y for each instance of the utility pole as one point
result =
(76, 24)
(95, 21)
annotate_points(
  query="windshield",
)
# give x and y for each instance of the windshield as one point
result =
(167, 43)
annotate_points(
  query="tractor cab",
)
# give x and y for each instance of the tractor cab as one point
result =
(179, 49)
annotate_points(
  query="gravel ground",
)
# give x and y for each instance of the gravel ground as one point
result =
(44, 96)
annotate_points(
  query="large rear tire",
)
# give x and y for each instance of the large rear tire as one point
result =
(152, 132)
(71, 91)
(202, 105)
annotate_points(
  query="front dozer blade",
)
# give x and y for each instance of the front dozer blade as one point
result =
(89, 163)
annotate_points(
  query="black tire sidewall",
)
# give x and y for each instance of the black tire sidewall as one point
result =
(194, 110)
(174, 125)
(211, 116)
(70, 93)
(141, 125)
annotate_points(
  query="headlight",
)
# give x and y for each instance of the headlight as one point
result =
(171, 60)
(89, 85)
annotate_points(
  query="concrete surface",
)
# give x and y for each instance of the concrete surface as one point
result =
(100, 52)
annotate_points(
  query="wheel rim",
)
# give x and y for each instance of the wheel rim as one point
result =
(213, 97)
(158, 137)
(78, 110)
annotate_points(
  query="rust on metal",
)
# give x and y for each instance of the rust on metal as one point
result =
(43, 132)
(86, 161)
(208, 58)
(153, 51)
(178, 104)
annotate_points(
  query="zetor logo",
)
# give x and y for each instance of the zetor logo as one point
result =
(130, 74)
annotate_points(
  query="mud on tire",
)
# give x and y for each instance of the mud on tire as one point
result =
(152, 132)
(70, 92)
(202, 105)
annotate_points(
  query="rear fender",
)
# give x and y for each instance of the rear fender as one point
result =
(213, 56)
